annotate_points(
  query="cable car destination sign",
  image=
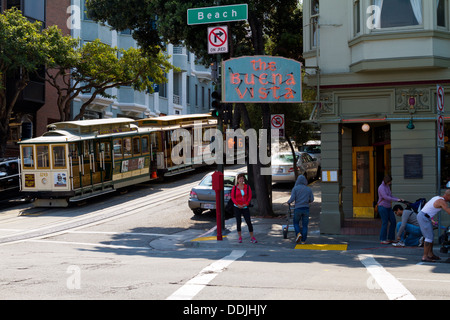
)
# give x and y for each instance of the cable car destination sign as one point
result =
(261, 79)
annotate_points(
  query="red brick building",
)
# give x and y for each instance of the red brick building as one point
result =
(36, 106)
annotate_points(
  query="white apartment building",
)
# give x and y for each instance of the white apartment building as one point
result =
(185, 92)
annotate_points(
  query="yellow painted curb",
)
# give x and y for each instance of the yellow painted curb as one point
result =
(206, 238)
(323, 247)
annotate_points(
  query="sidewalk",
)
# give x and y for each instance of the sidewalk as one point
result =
(269, 233)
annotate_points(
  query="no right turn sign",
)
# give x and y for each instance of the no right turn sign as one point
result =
(218, 40)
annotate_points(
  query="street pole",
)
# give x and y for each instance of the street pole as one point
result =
(220, 165)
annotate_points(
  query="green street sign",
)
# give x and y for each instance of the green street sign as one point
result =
(218, 14)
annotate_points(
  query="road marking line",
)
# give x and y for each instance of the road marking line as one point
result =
(324, 247)
(127, 233)
(90, 244)
(424, 280)
(393, 288)
(206, 238)
(201, 280)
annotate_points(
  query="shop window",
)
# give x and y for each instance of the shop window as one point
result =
(445, 158)
(396, 13)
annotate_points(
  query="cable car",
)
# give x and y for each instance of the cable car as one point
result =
(75, 160)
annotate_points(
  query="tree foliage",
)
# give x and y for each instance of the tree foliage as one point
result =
(21, 54)
(273, 27)
(95, 68)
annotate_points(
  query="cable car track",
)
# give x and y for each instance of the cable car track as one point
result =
(114, 211)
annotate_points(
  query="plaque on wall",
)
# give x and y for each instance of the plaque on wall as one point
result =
(413, 166)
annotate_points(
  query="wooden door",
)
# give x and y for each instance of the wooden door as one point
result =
(363, 182)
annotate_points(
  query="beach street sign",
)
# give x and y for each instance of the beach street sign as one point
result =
(217, 14)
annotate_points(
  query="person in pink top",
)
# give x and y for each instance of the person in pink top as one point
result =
(385, 199)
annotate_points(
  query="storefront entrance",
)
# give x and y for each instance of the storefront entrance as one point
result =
(370, 163)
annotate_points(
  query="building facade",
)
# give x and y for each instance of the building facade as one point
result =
(186, 92)
(377, 66)
(36, 105)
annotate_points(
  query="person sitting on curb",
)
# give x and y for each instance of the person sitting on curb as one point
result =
(303, 196)
(408, 230)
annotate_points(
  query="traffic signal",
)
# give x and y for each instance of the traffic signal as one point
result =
(227, 114)
(216, 106)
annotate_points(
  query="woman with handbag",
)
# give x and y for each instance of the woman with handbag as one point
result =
(241, 195)
(385, 199)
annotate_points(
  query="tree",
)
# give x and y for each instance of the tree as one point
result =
(21, 53)
(246, 38)
(95, 68)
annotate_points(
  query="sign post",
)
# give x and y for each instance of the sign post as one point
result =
(217, 186)
(440, 118)
(440, 94)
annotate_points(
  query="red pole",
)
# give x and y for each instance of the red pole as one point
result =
(218, 217)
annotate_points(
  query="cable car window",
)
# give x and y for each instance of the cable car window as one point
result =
(106, 146)
(43, 157)
(86, 149)
(59, 156)
(117, 148)
(145, 144)
(73, 151)
(136, 146)
(28, 157)
(127, 147)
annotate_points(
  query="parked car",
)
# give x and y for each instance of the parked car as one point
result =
(9, 178)
(283, 166)
(203, 197)
(313, 147)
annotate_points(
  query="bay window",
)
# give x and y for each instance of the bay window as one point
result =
(441, 15)
(397, 13)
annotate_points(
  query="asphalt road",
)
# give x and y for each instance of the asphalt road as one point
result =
(132, 246)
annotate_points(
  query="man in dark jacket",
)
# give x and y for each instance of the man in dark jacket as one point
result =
(303, 196)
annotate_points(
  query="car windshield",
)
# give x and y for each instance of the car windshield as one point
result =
(228, 181)
(284, 158)
(311, 149)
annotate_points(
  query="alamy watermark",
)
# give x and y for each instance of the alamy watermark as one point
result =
(374, 20)
(211, 146)
(73, 282)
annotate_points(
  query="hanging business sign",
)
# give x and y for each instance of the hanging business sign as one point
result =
(261, 79)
